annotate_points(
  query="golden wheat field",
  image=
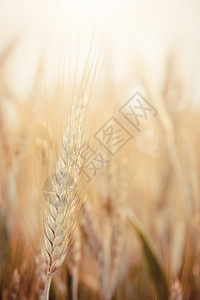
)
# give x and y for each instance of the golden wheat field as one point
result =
(99, 150)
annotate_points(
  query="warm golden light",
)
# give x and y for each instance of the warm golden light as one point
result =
(99, 149)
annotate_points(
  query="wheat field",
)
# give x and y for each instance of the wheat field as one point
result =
(99, 152)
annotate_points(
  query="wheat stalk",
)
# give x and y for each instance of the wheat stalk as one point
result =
(118, 223)
(74, 258)
(109, 257)
(176, 291)
(91, 227)
(62, 214)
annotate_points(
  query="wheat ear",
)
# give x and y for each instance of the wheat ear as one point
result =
(62, 214)
(40, 274)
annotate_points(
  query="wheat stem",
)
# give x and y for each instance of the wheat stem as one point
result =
(75, 282)
(47, 286)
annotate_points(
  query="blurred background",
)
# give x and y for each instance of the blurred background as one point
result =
(147, 32)
(139, 235)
